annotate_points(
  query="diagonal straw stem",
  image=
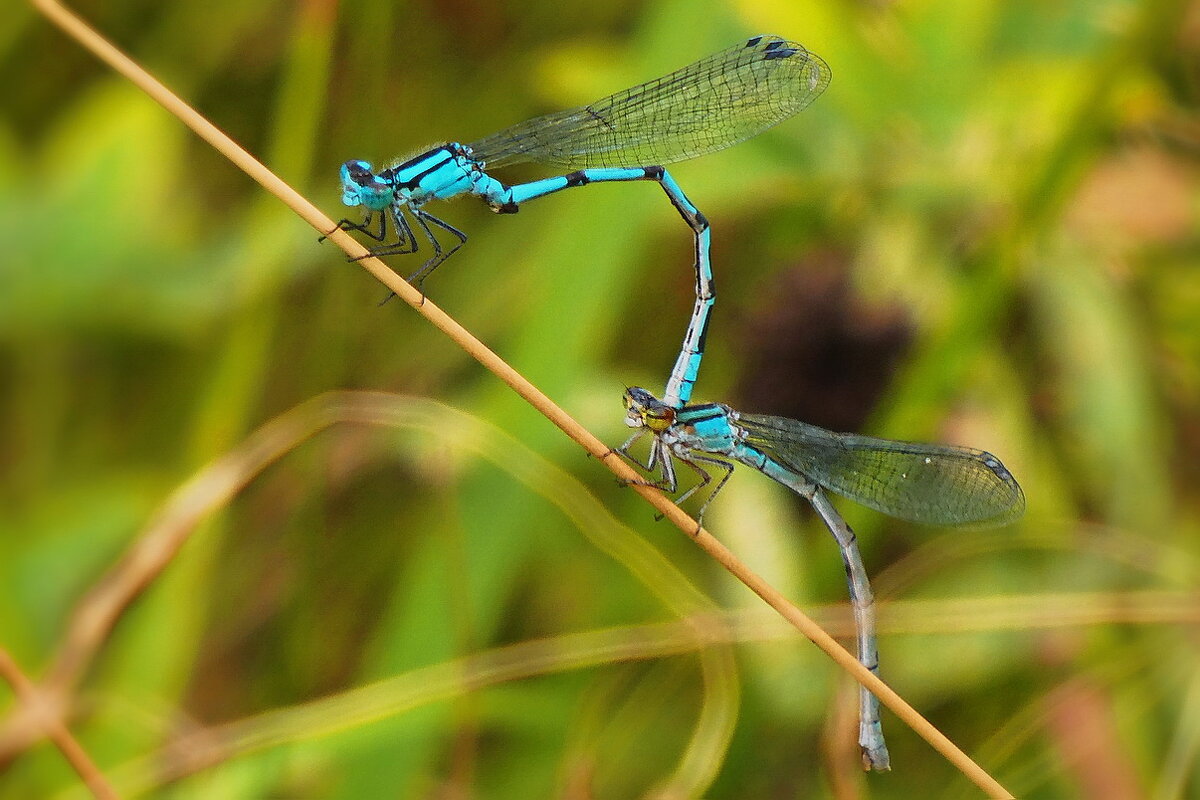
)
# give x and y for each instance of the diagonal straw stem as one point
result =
(50, 718)
(109, 54)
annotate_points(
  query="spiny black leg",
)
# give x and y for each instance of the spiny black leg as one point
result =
(725, 465)
(623, 452)
(363, 227)
(405, 242)
(632, 459)
(662, 483)
(441, 223)
(417, 279)
(705, 479)
(439, 256)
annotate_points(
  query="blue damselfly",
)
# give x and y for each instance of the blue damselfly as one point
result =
(925, 483)
(704, 107)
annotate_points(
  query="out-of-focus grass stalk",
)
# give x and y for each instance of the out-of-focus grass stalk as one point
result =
(210, 490)
(32, 699)
(700, 631)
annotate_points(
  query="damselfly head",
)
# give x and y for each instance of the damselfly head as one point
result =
(361, 187)
(644, 410)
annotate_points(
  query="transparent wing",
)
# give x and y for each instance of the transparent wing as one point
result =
(712, 104)
(926, 483)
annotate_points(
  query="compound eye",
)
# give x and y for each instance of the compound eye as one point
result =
(660, 421)
(359, 171)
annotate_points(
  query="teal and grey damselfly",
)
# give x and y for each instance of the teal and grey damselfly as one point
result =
(707, 106)
(924, 483)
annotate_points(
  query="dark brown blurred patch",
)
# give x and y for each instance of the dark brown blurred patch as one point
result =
(816, 350)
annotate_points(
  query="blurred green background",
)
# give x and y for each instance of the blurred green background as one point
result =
(985, 232)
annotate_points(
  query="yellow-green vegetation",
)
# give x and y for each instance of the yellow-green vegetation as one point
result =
(385, 575)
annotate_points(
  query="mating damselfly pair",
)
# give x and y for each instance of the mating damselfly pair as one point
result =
(707, 106)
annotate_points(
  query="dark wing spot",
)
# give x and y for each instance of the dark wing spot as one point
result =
(786, 52)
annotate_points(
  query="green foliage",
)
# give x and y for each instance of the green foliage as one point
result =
(985, 232)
